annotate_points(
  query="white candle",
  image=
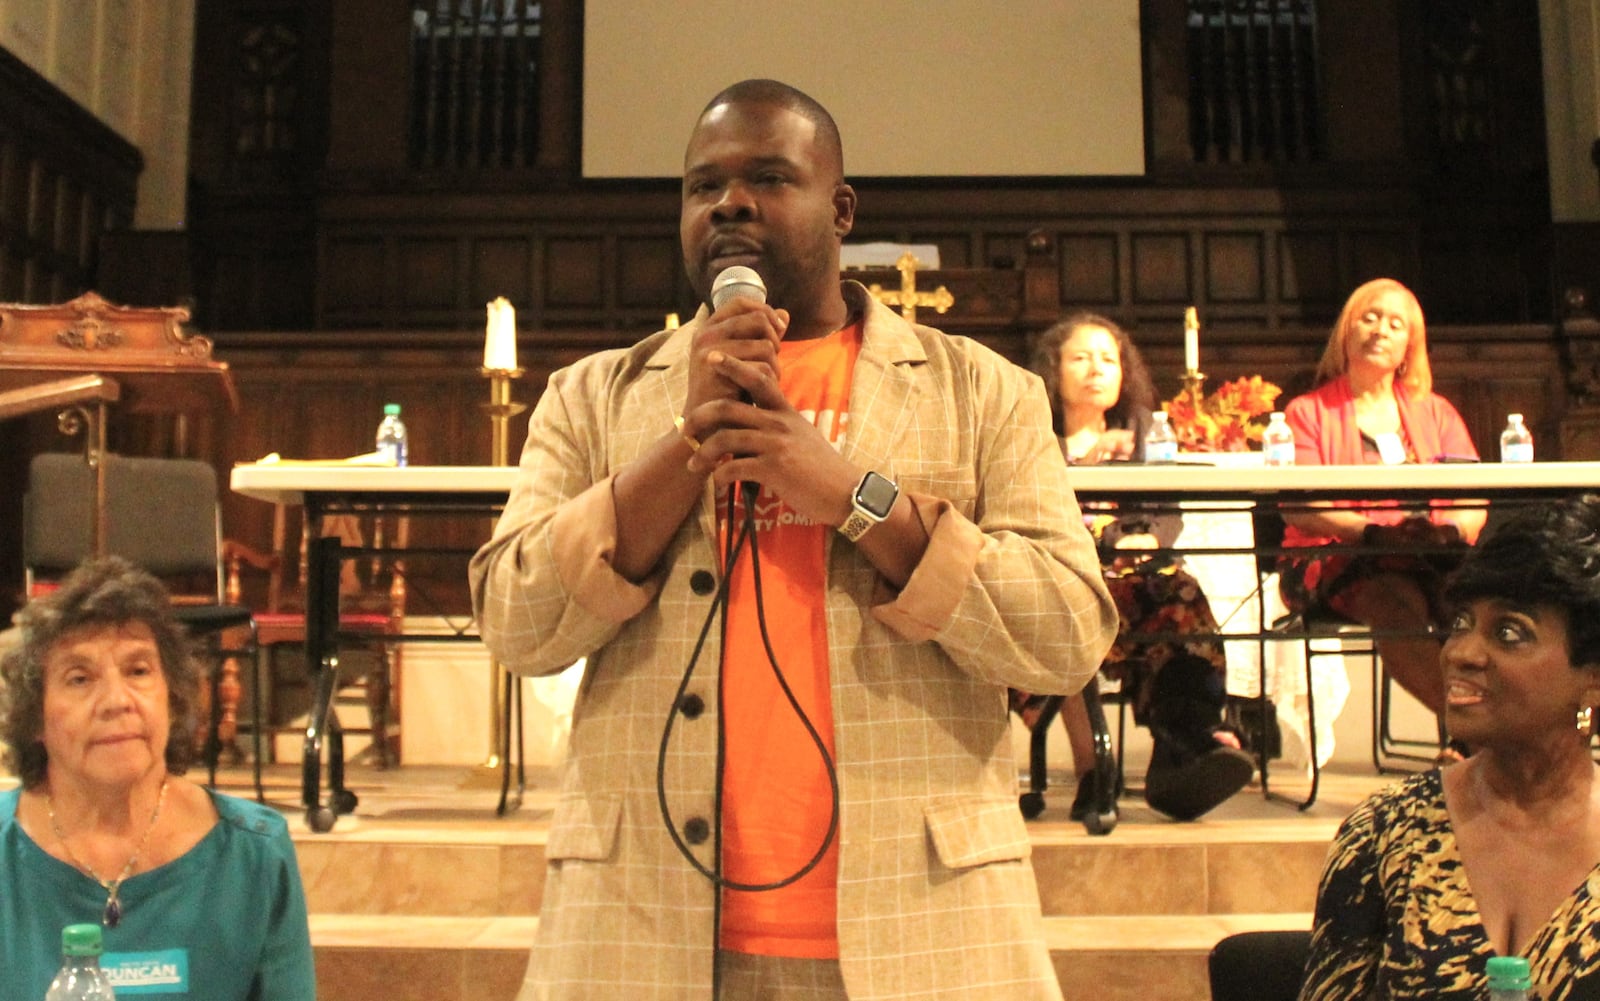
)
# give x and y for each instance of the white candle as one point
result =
(500, 339)
(1191, 340)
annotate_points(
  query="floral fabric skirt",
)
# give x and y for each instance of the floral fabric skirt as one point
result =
(1167, 603)
(1329, 580)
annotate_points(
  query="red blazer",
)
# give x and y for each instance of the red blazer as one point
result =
(1325, 434)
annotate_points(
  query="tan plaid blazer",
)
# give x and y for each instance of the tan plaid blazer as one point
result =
(936, 892)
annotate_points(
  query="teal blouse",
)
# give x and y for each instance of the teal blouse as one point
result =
(226, 921)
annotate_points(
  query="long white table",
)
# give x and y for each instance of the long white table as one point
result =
(292, 483)
(337, 488)
(482, 490)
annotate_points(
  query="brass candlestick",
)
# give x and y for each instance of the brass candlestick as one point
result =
(500, 408)
(1192, 383)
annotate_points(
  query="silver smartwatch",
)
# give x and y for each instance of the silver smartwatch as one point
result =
(871, 503)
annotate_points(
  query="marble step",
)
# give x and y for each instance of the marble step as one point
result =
(492, 871)
(422, 958)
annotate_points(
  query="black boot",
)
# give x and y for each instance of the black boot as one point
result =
(1190, 772)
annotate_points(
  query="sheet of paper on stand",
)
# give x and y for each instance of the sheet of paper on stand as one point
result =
(886, 255)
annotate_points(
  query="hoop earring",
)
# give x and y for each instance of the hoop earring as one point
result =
(1585, 720)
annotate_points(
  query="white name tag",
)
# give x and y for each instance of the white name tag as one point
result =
(164, 972)
(1390, 449)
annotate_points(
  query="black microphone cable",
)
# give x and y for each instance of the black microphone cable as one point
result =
(734, 547)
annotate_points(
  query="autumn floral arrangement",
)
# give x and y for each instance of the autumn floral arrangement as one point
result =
(1230, 419)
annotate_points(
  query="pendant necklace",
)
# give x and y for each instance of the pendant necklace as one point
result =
(112, 915)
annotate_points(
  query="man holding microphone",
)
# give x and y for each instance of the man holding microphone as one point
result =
(805, 546)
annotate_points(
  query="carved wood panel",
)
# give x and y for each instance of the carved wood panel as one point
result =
(65, 178)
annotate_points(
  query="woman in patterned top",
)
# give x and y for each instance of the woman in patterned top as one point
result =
(1100, 403)
(1498, 854)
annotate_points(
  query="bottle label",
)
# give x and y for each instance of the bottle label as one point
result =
(1516, 452)
(1278, 453)
(1161, 451)
(164, 972)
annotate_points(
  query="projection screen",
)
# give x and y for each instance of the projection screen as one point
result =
(1030, 88)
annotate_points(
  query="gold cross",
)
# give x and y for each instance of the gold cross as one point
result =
(908, 298)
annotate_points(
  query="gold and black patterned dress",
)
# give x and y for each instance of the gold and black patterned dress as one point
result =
(1396, 919)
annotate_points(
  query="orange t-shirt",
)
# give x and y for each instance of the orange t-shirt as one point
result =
(776, 800)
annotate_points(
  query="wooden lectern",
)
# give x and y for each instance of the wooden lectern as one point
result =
(82, 356)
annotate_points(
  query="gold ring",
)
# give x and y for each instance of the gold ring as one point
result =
(694, 444)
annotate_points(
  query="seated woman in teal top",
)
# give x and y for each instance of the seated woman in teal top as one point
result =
(199, 893)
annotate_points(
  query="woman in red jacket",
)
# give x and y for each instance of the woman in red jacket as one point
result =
(1374, 403)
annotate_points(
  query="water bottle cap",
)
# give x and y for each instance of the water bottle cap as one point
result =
(1514, 418)
(1508, 973)
(1277, 415)
(391, 410)
(80, 940)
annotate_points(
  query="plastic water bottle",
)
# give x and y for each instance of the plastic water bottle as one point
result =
(1508, 978)
(81, 978)
(1516, 441)
(1277, 441)
(1160, 445)
(392, 434)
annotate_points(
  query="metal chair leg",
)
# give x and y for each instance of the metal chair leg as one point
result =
(1102, 817)
(512, 703)
(1032, 802)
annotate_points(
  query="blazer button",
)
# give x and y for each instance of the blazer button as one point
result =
(696, 830)
(691, 706)
(702, 583)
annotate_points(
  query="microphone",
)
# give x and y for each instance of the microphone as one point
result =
(737, 282)
(740, 282)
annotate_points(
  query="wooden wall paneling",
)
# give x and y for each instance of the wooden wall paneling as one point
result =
(1003, 249)
(598, 260)
(1091, 265)
(65, 177)
(1308, 268)
(353, 279)
(1488, 373)
(1371, 252)
(1235, 267)
(431, 280)
(955, 249)
(1161, 268)
(561, 47)
(648, 270)
(1575, 250)
(502, 266)
(369, 83)
(1467, 271)
(574, 273)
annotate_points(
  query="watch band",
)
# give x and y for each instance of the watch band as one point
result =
(856, 525)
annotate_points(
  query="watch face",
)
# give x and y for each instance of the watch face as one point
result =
(876, 494)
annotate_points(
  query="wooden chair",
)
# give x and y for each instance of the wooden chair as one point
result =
(372, 612)
(161, 515)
